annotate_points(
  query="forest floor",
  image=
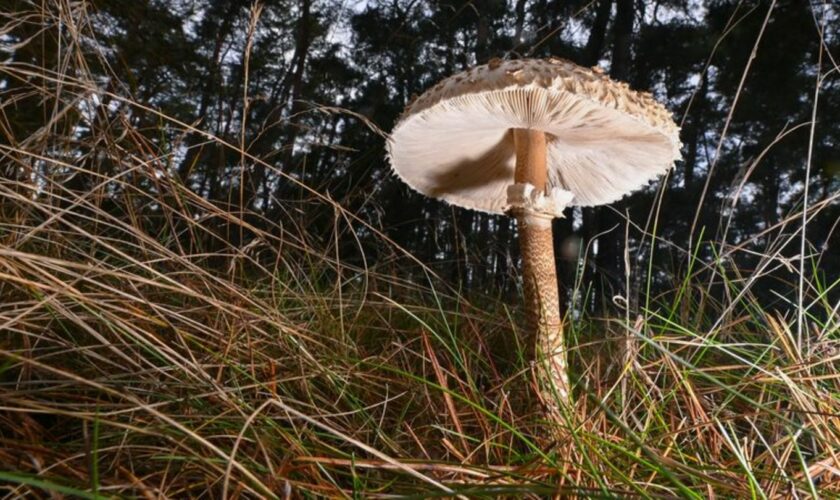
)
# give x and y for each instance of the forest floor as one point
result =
(147, 356)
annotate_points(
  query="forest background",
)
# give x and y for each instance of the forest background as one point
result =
(744, 102)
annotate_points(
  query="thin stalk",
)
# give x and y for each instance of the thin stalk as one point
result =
(545, 323)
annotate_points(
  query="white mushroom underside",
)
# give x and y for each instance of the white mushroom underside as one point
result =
(462, 151)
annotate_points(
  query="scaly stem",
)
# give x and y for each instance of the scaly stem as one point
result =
(540, 274)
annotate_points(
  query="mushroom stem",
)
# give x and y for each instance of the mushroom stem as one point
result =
(540, 274)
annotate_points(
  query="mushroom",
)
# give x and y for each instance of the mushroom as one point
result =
(528, 138)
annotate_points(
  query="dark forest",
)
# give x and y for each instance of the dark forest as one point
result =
(325, 77)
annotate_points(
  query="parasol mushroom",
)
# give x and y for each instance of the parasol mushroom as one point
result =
(528, 138)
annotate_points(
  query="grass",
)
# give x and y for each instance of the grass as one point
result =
(142, 354)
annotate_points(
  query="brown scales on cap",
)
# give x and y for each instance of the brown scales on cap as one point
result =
(561, 74)
(603, 139)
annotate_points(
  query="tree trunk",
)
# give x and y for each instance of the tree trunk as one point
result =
(591, 215)
(597, 35)
(609, 261)
(519, 9)
(301, 52)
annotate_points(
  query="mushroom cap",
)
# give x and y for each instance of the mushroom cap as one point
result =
(455, 142)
